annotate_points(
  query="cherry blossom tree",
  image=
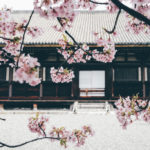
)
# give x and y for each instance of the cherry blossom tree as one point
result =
(13, 35)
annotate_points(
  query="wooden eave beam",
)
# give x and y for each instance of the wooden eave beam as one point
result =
(56, 45)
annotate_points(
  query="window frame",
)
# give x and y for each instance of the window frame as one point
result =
(94, 89)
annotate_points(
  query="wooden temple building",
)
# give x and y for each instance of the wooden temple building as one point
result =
(127, 75)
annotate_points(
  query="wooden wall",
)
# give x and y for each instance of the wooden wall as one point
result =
(128, 75)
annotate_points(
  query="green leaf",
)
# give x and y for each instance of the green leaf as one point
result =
(65, 38)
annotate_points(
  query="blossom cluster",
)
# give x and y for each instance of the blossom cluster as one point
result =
(132, 24)
(112, 8)
(64, 10)
(76, 136)
(27, 71)
(86, 4)
(56, 9)
(12, 32)
(37, 124)
(61, 75)
(128, 110)
(84, 54)
(108, 53)
(136, 26)
(74, 55)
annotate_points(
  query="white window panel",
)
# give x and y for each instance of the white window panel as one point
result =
(91, 79)
(145, 72)
(44, 73)
(38, 71)
(113, 74)
(7, 74)
(14, 73)
(2, 73)
(92, 83)
(139, 73)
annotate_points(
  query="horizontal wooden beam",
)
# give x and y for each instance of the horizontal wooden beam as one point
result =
(117, 45)
(59, 100)
(56, 45)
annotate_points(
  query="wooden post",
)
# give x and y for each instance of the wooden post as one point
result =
(75, 85)
(1, 107)
(10, 90)
(35, 107)
(11, 71)
(56, 90)
(143, 81)
(109, 81)
(41, 90)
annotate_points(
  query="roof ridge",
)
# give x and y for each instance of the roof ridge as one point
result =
(81, 11)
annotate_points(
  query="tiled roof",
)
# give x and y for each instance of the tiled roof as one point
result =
(84, 24)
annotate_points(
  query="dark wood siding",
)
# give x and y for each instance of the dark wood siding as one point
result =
(2, 73)
(126, 74)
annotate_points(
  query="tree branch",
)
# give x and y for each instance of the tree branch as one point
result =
(4, 38)
(132, 12)
(142, 108)
(23, 38)
(26, 26)
(59, 20)
(22, 144)
(98, 2)
(2, 119)
(40, 126)
(116, 21)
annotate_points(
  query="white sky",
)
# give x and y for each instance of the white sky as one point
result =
(24, 4)
(17, 4)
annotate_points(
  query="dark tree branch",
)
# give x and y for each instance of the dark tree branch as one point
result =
(4, 38)
(75, 42)
(132, 12)
(23, 38)
(59, 20)
(40, 126)
(22, 144)
(95, 2)
(143, 108)
(116, 21)
(26, 26)
(2, 119)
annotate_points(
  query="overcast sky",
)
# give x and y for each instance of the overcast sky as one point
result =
(17, 4)
(24, 4)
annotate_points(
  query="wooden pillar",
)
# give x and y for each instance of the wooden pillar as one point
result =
(35, 107)
(75, 84)
(143, 81)
(56, 90)
(109, 81)
(41, 85)
(41, 90)
(72, 91)
(10, 91)
(1, 107)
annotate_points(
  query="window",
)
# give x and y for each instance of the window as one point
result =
(48, 77)
(127, 81)
(127, 74)
(148, 73)
(92, 83)
(2, 74)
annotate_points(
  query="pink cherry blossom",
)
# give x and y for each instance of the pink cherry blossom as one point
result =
(108, 53)
(36, 124)
(61, 75)
(27, 71)
(128, 111)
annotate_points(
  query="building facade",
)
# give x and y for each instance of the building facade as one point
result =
(127, 75)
